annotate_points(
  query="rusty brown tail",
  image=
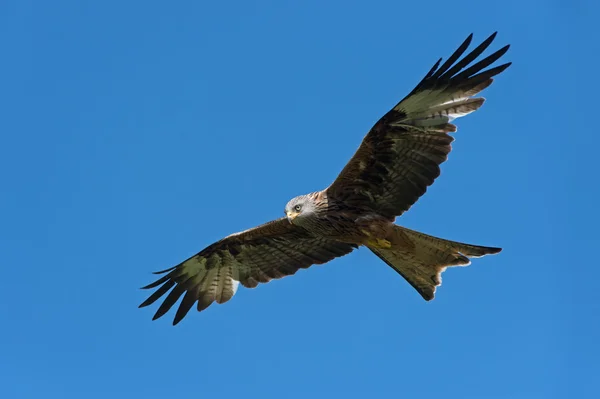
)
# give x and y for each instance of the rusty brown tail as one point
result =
(421, 259)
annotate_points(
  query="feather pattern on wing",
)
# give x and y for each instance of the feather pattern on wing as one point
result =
(259, 255)
(400, 157)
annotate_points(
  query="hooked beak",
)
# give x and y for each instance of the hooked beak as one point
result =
(291, 216)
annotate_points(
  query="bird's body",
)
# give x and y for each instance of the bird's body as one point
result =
(331, 219)
(396, 162)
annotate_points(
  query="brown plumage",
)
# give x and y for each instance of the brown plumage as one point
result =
(397, 160)
(273, 250)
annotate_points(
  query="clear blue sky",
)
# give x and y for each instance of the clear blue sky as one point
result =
(136, 133)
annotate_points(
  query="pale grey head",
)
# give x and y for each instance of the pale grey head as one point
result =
(299, 208)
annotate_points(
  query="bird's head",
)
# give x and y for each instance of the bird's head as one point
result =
(298, 208)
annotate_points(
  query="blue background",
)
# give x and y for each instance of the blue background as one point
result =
(136, 133)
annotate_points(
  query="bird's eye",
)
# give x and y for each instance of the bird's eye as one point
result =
(297, 208)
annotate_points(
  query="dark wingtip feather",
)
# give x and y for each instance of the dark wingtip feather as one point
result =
(475, 68)
(467, 59)
(468, 40)
(450, 71)
(169, 301)
(164, 271)
(504, 49)
(452, 59)
(494, 250)
(433, 68)
(501, 68)
(184, 307)
(157, 282)
(488, 74)
(428, 75)
(158, 293)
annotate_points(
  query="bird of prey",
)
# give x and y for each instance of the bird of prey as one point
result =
(395, 163)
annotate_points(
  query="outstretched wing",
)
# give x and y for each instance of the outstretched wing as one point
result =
(400, 157)
(259, 255)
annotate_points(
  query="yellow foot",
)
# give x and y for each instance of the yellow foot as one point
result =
(379, 243)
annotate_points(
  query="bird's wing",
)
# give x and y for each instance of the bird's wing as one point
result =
(258, 255)
(400, 156)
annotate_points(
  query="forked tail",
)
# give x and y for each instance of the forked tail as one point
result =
(421, 259)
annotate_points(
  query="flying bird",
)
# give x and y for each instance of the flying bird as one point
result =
(395, 163)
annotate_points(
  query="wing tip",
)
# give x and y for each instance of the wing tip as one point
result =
(156, 316)
(144, 304)
(468, 40)
(164, 271)
(494, 250)
(148, 286)
(504, 66)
